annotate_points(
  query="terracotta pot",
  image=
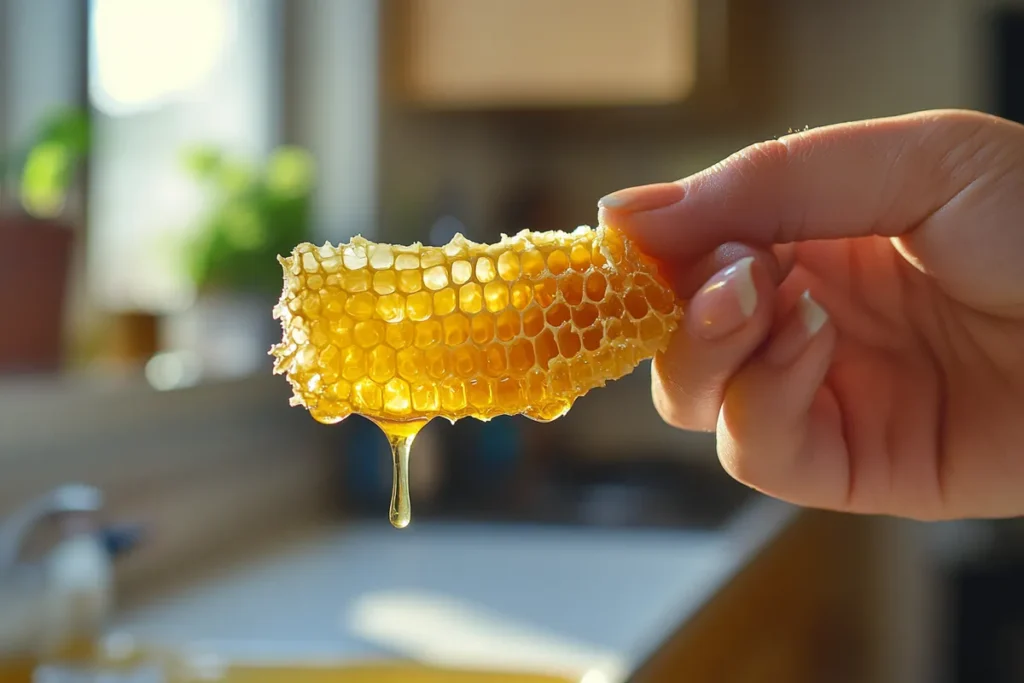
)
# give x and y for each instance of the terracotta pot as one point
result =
(35, 257)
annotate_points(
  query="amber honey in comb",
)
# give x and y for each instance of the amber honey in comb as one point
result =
(525, 326)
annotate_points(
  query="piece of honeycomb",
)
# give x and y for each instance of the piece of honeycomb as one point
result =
(404, 334)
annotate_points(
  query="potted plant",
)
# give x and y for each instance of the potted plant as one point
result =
(37, 233)
(255, 213)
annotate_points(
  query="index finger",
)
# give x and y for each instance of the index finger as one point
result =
(878, 177)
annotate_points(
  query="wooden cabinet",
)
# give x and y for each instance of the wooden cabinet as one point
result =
(482, 54)
(799, 613)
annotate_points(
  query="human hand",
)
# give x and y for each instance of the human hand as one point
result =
(896, 386)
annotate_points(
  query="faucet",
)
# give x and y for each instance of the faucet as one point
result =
(65, 598)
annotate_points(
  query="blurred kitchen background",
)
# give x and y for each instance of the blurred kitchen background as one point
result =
(157, 154)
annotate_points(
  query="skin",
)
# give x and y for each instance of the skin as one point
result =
(909, 233)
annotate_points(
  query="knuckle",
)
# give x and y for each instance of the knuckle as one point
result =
(774, 159)
(762, 157)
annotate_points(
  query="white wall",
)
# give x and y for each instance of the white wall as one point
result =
(334, 109)
(40, 44)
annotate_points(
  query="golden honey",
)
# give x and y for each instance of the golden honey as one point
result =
(405, 334)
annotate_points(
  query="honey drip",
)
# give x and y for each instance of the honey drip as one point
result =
(400, 436)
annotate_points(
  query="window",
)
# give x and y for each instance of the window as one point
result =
(165, 74)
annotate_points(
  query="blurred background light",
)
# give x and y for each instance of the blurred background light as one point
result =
(147, 53)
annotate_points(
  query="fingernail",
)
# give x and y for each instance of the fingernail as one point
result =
(643, 197)
(795, 337)
(812, 314)
(725, 303)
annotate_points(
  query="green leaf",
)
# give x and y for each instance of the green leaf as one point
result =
(289, 172)
(255, 214)
(48, 160)
(69, 127)
(45, 179)
(202, 161)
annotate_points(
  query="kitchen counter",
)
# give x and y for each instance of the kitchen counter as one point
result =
(568, 600)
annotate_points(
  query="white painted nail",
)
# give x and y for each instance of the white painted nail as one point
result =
(812, 314)
(746, 292)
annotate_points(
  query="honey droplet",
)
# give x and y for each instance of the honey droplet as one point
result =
(400, 436)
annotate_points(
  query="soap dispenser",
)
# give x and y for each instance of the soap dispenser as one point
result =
(54, 610)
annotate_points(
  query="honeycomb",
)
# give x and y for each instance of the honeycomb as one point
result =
(524, 326)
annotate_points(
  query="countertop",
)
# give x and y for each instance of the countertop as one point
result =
(567, 600)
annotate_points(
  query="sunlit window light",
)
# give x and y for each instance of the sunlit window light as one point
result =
(146, 53)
